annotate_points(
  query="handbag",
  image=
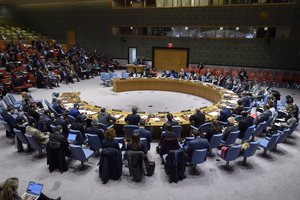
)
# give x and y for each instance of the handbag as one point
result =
(150, 168)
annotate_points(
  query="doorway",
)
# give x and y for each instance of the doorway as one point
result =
(131, 55)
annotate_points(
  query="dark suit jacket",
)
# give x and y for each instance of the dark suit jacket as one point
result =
(133, 119)
(142, 148)
(58, 108)
(263, 117)
(224, 114)
(244, 124)
(173, 123)
(210, 132)
(104, 118)
(63, 123)
(238, 110)
(74, 112)
(78, 126)
(166, 135)
(144, 134)
(198, 119)
(198, 143)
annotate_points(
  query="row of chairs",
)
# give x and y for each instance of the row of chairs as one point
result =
(106, 78)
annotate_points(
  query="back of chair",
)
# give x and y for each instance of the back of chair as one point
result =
(128, 130)
(102, 126)
(199, 156)
(203, 128)
(232, 137)
(233, 152)
(94, 142)
(79, 137)
(21, 136)
(54, 111)
(77, 152)
(121, 141)
(268, 122)
(215, 140)
(293, 128)
(7, 101)
(47, 103)
(71, 119)
(273, 140)
(249, 132)
(260, 127)
(177, 130)
(12, 98)
(33, 142)
(145, 144)
(283, 135)
(168, 144)
(250, 151)
(53, 127)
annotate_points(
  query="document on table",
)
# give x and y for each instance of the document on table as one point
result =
(117, 116)
(156, 119)
(213, 113)
(177, 118)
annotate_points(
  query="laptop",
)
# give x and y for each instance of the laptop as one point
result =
(33, 191)
(72, 137)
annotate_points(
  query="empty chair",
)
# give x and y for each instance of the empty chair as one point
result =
(9, 103)
(250, 151)
(269, 143)
(198, 157)
(128, 130)
(259, 129)
(232, 154)
(248, 134)
(13, 99)
(232, 136)
(106, 78)
(125, 75)
(177, 130)
(94, 142)
(80, 153)
(215, 142)
(282, 137)
(35, 144)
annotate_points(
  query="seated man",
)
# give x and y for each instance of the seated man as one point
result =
(224, 113)
(168, 133)
(94, 130)
(74, 111)
(198, 118)
(58, 107)
(240, 107)
(263, 116)
(41, 137)
(78, 125)
(197, 143)
(244, 123)
(144, 133)
(105, 118)
(170, 121)
(134, 118)
(64, 122)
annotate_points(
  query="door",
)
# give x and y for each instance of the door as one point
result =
(131, 55)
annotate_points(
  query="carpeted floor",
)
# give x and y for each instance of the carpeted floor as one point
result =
(275, 177)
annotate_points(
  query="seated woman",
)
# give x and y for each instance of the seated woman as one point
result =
(213, 130)
(9, 191)
(135, 144)
(232, 125)
(109, 139)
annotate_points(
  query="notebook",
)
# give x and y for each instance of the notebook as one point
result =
(33, 191)
(72, 137)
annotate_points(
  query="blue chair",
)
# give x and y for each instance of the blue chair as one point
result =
(94, 142)
(9, 103)
(204, 127)
(250, 151)
(80, 153)
(121, 142)
(248, 134)
(198, 157)
(104, 127)
(125, 75)
(251, 105)
(47, 103)
(268, 122)
(282, 137)
(232, 136)
(13, 99)
(293, 129)
(71, 119)
(35, 144)
(222, 124)
(54, 111)
(177, 130)
(186, 140)
(259, 129)
(261, 103)
(106, 78)
(215, 142)
(231, 154)
(269, 143)
(23, 139)
(128, 130)
(79, 138)
(145, 145)
(281, 104)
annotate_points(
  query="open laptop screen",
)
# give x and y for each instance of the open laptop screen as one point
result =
(72, 137)
(34, 188)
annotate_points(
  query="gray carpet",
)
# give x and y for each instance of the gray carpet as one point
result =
(275, 177)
